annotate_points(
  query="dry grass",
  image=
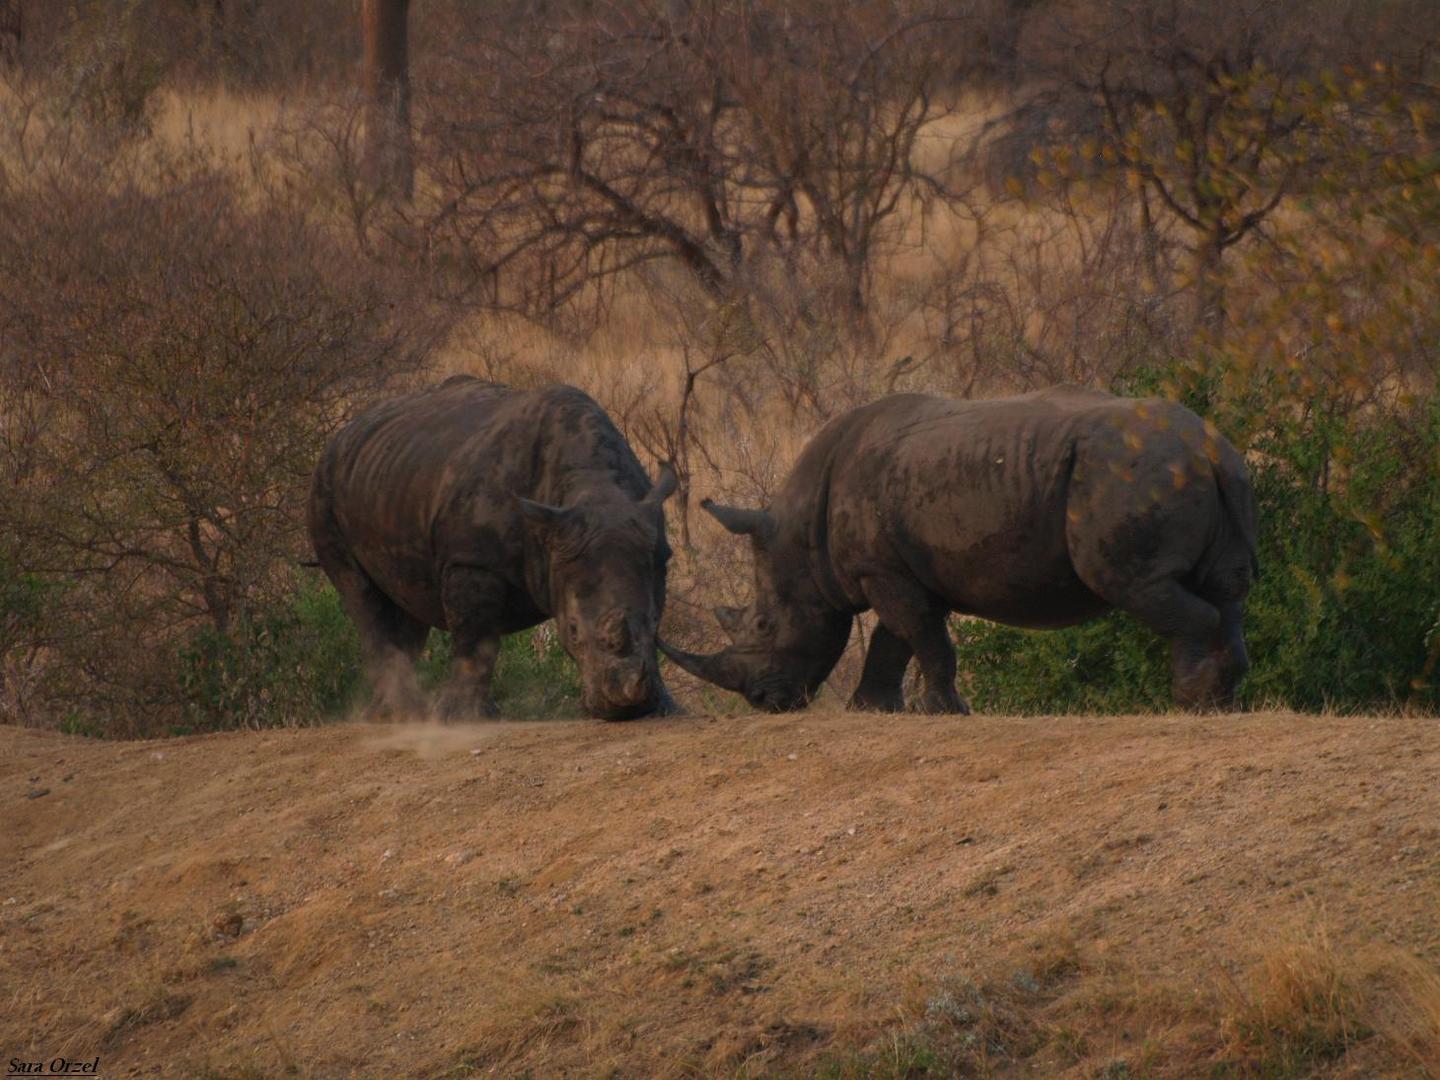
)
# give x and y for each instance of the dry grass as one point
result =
(682, 898)
(226, 123)
(1309, 1001)
(1411, 1019)
(1300, 1006)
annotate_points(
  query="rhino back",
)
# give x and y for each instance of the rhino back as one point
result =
(969, 498)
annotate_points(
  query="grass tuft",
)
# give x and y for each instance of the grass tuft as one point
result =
(1298, 1008)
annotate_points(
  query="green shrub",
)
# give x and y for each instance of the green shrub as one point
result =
(301, 664)
(26, 603)
(534, 677)
(1112, 664)
(22, 602)
(295, 665)
(1345, 616)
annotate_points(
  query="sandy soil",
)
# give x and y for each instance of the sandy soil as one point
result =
(754, 896)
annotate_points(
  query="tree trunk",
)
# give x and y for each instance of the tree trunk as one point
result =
(12, 28)
(1149, 245)
(1210, 287)
(1001, 36)
(389, 156)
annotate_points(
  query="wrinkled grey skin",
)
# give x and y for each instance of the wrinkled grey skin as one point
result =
(484, 510)
(1043, 510)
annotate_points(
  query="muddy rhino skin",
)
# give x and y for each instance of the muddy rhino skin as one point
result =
(1042, 510)
(484, 510)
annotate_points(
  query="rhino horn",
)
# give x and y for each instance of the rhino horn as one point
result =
(758, 523)
(720, 668)
(665, 484)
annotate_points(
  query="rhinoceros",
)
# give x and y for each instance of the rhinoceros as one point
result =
(1041, 510)
(483, 510)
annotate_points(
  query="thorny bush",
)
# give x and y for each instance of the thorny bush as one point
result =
(175, 351)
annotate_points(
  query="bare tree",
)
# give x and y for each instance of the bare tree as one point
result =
(715, 136)
(159, 434)
(1203, 106)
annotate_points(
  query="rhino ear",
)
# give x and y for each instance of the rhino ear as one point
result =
(542, 514)
(757, 523)
(665, 484)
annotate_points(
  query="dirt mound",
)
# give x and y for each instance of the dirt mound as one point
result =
(832, 893)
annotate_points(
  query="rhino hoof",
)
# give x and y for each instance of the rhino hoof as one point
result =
(951, 704)
(388, 710)
(881, 703)
(460, 708)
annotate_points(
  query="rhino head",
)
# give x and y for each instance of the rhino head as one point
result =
(784, 644)
(607, 588)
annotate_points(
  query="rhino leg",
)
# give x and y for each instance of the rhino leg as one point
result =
(390, 639)
(1207, 651)
(884, 671)
(1145, 566)
(1206, 668)
(665, 703)
(468, 691)
(396, 691)
(919, 621)
(472, 600)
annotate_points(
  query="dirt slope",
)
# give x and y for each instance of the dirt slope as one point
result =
(821, 892)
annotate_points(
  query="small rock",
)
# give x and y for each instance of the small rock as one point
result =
(792, 757)
(35, 793)
(228, 924)
(459, 858)
(850, 831)
(388, 854)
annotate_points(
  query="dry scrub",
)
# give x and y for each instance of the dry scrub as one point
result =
(729, 223)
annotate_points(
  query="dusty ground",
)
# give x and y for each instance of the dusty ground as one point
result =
(822, 893)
